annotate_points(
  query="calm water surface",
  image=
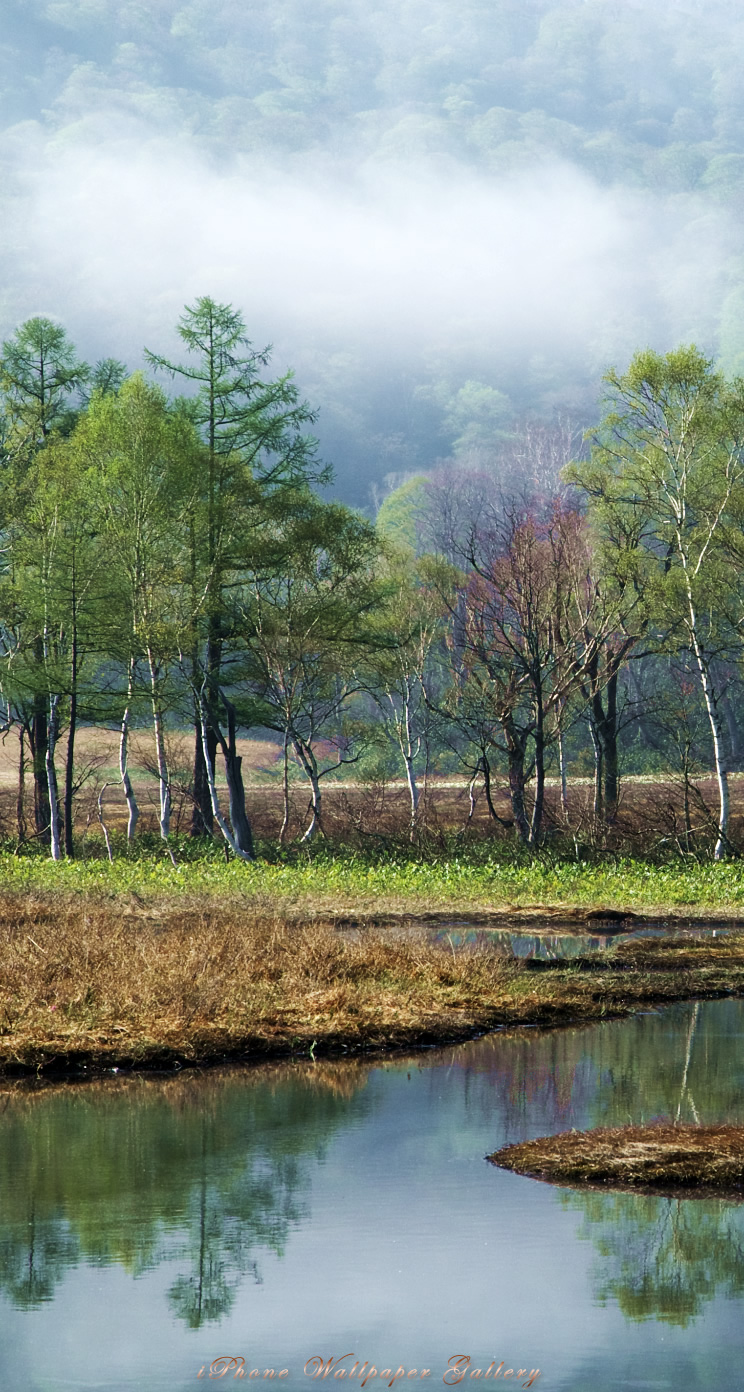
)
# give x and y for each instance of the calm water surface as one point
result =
(149, 1227)
(555, 946)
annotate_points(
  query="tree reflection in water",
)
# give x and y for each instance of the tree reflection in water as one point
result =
(662, 1258)
(201, 1171)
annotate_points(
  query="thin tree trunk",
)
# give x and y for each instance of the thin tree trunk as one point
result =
(157, 720)
(471, 794)
(235, 789)
(285, 791)
(309, 764)
(70, 754)
(609, 740)
(687, 810)
(52, 734)
(39, 736)
(413, 791)
(70, 773)
(598, 769)
(202, 823)
(126, 781)
(539, 803)
(21, 796)
(485, 766)
(716, 729)
(564, 778)
(408, 758)
(218, 817)
(202, 819)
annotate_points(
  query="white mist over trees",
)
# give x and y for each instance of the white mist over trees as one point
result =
(419, 204)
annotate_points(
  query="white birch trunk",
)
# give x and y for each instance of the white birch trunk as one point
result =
(413, 790)
(408, 754)
(52, 735)
(716, 730)
(307, 759)
(164, 782)
(132, 807)
(564, 779)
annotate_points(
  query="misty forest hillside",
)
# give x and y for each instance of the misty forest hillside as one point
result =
(447, 216)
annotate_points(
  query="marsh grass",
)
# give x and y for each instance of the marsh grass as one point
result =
(485, 878)
(659, 1156)
(85, 983)
(92, 985)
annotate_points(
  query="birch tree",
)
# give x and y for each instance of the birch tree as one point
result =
(670, 455)
(301, 627)
(141, 457)
(407, 627)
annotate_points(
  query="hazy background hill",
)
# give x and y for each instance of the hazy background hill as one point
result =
(447, 216)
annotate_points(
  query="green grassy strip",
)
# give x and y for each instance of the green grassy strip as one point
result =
(480, 881)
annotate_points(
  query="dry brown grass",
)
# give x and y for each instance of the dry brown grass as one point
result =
(86, 983)
(657, 1156)
(102, 986)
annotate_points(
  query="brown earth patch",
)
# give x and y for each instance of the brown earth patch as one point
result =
(655, 1158)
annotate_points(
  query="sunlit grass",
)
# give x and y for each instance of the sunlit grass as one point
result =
(140, 985)
(483, 879)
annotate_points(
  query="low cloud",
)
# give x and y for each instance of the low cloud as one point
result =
(391, 261)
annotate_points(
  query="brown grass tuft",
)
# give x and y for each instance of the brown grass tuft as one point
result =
(96, 985)
(659, 1156)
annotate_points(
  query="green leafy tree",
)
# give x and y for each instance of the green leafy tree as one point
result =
(141, 458)
(39, 373)
(256, 444)
(300, 627)
(668, 463)
(54, 592)
(40, 376)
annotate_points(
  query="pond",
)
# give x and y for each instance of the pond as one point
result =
(308, 1211)
(544, 945)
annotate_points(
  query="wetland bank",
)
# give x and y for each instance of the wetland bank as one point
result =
(136, 964)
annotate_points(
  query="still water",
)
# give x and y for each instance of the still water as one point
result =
(556, 946)
(312, 1210)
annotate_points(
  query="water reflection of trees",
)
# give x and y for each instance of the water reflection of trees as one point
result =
(682, 1062)
(204, 1172)
(662, 1258)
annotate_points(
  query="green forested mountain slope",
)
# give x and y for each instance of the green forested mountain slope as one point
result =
(646, 93)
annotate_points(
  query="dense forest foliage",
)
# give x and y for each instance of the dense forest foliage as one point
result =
(171, 559)
(646, 93)
(448, 218)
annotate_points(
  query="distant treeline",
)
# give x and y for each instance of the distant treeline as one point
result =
(172, 559)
